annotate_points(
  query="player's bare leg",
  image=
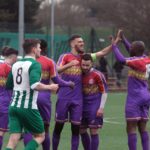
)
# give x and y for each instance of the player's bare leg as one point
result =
(13, 140)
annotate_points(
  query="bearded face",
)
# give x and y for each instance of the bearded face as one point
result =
(79, 49)
(78, 45)
(86, 65)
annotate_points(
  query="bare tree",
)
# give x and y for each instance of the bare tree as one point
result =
(68, 15)
(132, 16)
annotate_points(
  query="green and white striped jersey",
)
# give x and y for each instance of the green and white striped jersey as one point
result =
(23, 78)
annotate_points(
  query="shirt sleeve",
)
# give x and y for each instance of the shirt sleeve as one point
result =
(35, 74)
(118, 54)
(135, 63)
(127, 44)
(53, 70)
(101, 83)
(61, 60)
(93, 55)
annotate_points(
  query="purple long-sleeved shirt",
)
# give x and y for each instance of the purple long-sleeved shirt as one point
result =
(118, 55)
(127, 44)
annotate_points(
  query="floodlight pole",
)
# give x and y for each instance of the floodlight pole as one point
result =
(21, 26)
(52, 28)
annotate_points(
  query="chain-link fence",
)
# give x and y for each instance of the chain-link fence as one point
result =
(95, 38)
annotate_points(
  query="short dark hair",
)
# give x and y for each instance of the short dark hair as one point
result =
(74, 36)
(29, 44)
(87, 57)
(139, 46)
(43, 44)
(7, 51)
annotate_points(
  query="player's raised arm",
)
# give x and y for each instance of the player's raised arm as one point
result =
(104, 51)
(121, 36)
(117, 52)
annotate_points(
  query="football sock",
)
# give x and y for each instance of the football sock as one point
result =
(75, 142)
(32, 145)
(132, 140)
(27, 137)
(85, 141)
(46, 143)
(1, 142)
(55, 141)
(94, 142)
(145, 140)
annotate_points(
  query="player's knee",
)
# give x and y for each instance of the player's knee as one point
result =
(13, 140)
(75, 129)
(142, 126)
(2, 133)
(93, 131)
(83, 130)
(39, 138)
(131, 129)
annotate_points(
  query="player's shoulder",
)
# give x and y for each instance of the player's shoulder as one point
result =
(1, 61)
(4, 65)
(67, 54)
(136, 59)
(147, 59)
(97, 73)
(26, 62)
(45, 58)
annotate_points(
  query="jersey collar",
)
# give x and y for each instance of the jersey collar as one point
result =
(29, 57)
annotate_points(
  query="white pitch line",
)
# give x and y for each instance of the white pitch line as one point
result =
(109, 120)
(113, 118)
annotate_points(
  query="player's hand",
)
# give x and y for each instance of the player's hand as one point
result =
(100, 112)
(74, 62)
(112, 39)
(54, 87)
(72, 84)
(120, 34)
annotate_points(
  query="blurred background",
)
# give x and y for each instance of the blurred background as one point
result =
(56, 20)
(95, 20)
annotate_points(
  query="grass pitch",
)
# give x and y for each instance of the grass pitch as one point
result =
(112, 135)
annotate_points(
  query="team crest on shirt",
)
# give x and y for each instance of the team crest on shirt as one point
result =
(91, 81)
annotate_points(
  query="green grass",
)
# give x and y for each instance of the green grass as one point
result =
(112, 135)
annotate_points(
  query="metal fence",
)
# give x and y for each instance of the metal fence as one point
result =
(95, 39)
